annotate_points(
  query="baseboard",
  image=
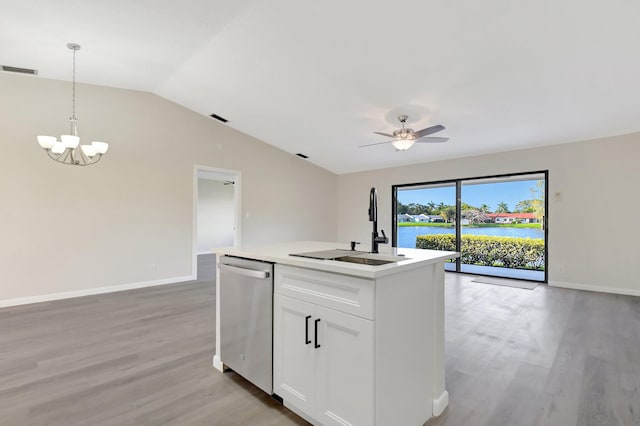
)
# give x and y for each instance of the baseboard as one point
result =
(217, 363)
(440, 403)
(92, 291)
(599, 289)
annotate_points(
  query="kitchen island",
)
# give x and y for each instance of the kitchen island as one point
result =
(354, 343)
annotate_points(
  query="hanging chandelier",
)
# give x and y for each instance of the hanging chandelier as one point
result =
(68, 150)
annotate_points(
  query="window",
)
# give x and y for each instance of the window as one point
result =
(498, 223)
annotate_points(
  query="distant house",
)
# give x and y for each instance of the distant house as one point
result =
(421, 218)
(431, 218)
(435, 218)
(405, 218)
(512, 217)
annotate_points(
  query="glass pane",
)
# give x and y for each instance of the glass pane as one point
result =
(502, 227)
(425, 212)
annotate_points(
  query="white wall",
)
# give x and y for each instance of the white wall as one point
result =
(216, 214)
(593, 234)
(129, 219)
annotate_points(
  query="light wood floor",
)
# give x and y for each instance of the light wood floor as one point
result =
(547, 356)
(514, 357)
(141, 357)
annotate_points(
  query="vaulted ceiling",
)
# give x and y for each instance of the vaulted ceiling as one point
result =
(320, 77)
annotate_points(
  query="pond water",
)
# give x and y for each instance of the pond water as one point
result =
(407, 234)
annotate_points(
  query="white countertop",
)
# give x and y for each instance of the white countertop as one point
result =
(279, 253)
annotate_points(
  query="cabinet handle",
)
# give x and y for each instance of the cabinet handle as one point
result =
(306, 330)
(316, 345)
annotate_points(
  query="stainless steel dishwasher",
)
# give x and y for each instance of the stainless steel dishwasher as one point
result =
(246, 319)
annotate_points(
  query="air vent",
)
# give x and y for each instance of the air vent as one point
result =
(18, 70)
(217, 117)
(302, 155)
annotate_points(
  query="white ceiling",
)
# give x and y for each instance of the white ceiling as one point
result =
(320, 77)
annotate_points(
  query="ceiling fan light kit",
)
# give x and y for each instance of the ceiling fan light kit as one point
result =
(402, 144)
(404, 138)
(66, 150)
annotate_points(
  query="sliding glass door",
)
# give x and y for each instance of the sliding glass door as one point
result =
(427, 212)
(497, 223)
(502, 226)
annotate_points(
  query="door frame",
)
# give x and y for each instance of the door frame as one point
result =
(457, 183)
(223, 175)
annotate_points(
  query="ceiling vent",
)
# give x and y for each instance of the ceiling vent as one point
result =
(302, 155)
(217, 117)
(18, 70)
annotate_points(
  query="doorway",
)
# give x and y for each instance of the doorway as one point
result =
(216, 221)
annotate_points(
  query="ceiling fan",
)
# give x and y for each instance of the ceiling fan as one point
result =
(404, 138)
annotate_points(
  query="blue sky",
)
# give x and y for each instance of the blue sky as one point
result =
(475, 195)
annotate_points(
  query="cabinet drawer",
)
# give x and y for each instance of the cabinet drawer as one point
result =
(340, 292)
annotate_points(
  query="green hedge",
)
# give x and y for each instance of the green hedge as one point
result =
(507, 252)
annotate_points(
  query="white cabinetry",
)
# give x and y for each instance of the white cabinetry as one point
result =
(344, 369)
(324, 362)
(294, 358)
(356, 351)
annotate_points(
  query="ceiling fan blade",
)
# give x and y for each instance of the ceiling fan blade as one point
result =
(384, 134)
(429, 131)
(371, 144)
(432, 140)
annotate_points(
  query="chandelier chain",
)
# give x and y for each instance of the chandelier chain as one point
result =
(73, 102)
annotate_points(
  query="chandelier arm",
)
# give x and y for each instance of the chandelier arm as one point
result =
(60, 158)
(52, 155)
(83, 157)
(64, 156)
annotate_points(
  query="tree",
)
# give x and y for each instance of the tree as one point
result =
(401, 208)
(484, 208)
(524, 206)
(538, 200)
(448, 213)
(502, 207)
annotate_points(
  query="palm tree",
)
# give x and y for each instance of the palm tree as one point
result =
(448, 213)
(502, 207)
(484, 208)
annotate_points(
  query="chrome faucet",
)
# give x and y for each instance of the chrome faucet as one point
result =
(373, 217)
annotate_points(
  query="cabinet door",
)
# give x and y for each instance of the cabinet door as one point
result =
(344, 369)
(294, 358)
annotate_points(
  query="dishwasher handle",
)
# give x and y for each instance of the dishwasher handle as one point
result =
(261, 275)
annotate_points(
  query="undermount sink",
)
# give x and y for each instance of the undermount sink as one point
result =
(363, 260)
(370, 259)
(351, 256)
